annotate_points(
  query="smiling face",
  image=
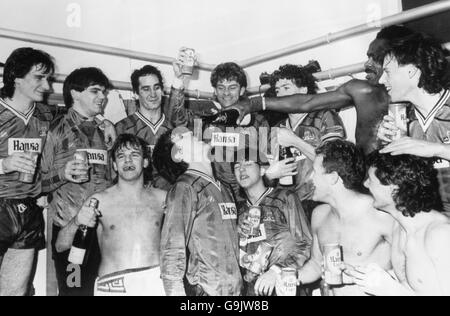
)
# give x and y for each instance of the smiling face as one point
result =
(400, 81)
(228, 92)
(374, 64)
(287, 87)
(130, 163)
(34, 85)
(150, 92)
(91, 101)
(382, 194)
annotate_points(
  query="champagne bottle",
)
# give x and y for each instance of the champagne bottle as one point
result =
(82, 240)
(227, 118)
(286, 153)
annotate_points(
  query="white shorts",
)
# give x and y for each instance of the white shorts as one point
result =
(133, 282)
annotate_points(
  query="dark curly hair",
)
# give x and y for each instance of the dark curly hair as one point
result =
(163, 162)
(147, 70)
(393, 32)
(416, 178)
(229, 71)
(300, 76)
(81, 79)
(427, 54)
(347, 160)
(20, 63)
(135, 142)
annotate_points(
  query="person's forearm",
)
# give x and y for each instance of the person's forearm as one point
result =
(307, 150)
(306, 103)
(443, 151)
(291, 104)
(173, 268)
(66, 236)
(310, 273)
(177, 113)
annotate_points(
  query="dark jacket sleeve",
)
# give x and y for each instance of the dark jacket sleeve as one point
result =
(180, 205)
(292, 248)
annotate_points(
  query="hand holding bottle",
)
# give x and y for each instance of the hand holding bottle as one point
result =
(87, 215)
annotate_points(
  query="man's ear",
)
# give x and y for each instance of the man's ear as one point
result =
(243, 89)
(263, 171)
(75, 94)
(146, 163)
(413, 71)
(177, 154)
(334, 178)
(18, 81)
(115, 167)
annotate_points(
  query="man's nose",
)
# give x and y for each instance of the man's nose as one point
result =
(383, 80)
(46, 85)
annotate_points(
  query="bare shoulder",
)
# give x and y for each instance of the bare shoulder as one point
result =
(157, 195)
(358, 86)
(320, 215)
(105, 196)
(438, 234)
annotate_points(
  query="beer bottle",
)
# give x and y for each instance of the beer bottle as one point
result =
(227, 118)
(82, 240)
(286, 153)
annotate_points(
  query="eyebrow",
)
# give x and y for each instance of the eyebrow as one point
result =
(283, 85)
(231, 85)
(148, 86)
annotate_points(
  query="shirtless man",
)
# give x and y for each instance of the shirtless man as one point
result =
(406, 187)
(369, 98)
(349, 218)
(129, 229)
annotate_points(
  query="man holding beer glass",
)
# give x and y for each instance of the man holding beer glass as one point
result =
(22, 135)
(75, 165)
(415, 71)
(347, 228)
(368, 96)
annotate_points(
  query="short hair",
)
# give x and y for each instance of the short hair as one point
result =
(229, 71)
(250, 153)
(162, 159)
(425, 53)
(82, 78)
(147, 70)
(20, 63)
(416, 178)
(299, 75)
(133, 142)
(347, 160)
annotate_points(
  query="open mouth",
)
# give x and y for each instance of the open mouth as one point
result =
(371, 74)
(129, 168)
(243, 178)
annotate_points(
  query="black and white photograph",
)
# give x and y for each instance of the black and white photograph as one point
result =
(237, 149)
